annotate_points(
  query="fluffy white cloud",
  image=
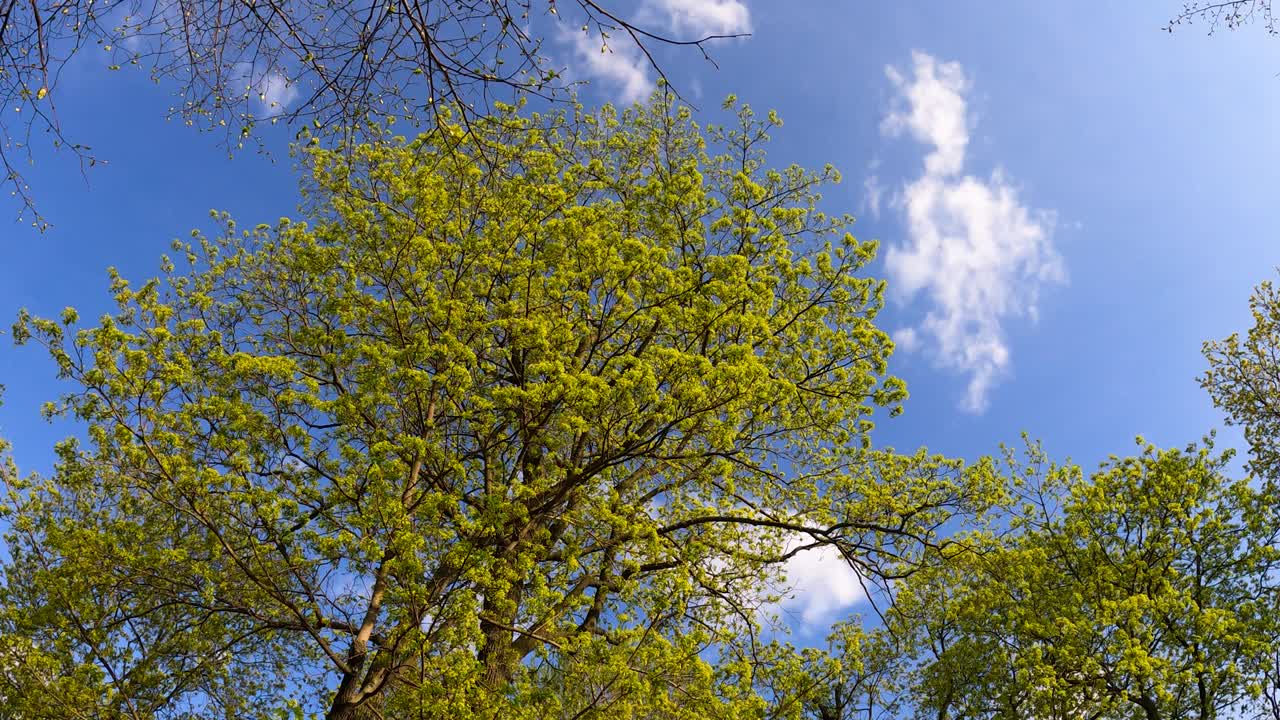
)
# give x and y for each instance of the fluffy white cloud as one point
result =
(699, 18)
(809, 591)
(907, 339)
(276, 93)
(820, 585)
(620, 63)
(271, 92)
(873, 193)
(931, 107)
(973, 249)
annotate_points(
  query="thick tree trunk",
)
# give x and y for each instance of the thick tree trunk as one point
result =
(499, 655)
(342, 710)
(346, 702)
(1149, 707)
(352, 695)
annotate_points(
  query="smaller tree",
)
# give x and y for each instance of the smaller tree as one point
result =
(34, 683)
(1146, 590)
(857, 679)
(1244, 381)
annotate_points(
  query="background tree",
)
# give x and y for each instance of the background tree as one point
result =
(230, 65)
(1244, 381)
(856, 679)
(1147, 590)
(571, 406)
(853, 678)
(954, 664)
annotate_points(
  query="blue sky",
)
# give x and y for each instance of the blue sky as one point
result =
(1068, 155)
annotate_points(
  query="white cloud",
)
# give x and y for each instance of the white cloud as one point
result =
(934, 113)
(276, 93)
(907, 338)
(271, 91)
(619, 62)
(699, 18)
(873, 194)
(821, 584)
(973, 249)
(808, 591)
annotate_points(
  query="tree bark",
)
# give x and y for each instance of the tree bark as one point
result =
(1149, 707)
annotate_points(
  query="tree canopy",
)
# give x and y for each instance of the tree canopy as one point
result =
(1243, 378)
(1146, 590)
(526, 426)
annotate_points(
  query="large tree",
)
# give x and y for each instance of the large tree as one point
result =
(330, 65)
(1146, 590)
(533, 420)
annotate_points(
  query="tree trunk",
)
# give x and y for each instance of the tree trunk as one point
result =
(498, 655)
(1149, 707)
(341, 710)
